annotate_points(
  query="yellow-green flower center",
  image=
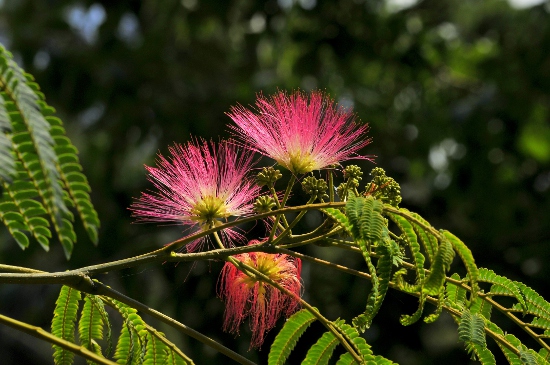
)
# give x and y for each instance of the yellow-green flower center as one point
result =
(267, 265)
(208, 209)
(300, 163)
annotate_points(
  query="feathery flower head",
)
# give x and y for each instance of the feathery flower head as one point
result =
(301, 132)
(200, 184)
(245, 296)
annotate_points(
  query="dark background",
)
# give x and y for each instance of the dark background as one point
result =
(457, 94)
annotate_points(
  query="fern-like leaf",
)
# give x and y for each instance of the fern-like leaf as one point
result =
(428, 240)
(471, 330)
(93, 321)
(484, 355)
(155, 351)
(407, 320)
(75, 182)
(365, 216)
(34, 150)
(501, 286)
(321, 351)
(7, 161)
(286, 339)
(410, 238)
(536, 304)
(131, 342)
(340, 218)
(20, 199)
(380, 279)
(468, 260)
(440, 266)
(63, 322)
(358, 343)
(127, 348)
(456, 296)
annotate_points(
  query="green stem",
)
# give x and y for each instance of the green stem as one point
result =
(48, 337)
(330, 186)
(276, 198)
(288, 230)
(283, 204)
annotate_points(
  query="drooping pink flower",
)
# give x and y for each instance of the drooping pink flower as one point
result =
(249, 297)
(199, 185)
(302, 133)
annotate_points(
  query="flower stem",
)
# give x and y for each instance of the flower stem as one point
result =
(283, 203)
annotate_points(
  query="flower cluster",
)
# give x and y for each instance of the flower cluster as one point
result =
(201, 184)
(250, 296)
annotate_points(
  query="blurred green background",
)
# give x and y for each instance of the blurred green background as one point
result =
(456, 92)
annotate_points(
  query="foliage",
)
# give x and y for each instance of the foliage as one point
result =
(40, 175)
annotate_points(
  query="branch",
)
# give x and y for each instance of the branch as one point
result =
(46, 336)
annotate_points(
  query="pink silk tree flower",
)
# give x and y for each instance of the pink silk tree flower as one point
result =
(199, 185)
(249, 297)
(302, 133)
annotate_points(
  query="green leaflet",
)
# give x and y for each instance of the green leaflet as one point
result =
(365, 216)
(512, 358)
(128, 348)
(131, 343)
(155, 351)
(20, 198)
(7, 160)
(381, 279)
(471, 330)
(363, 321)
(174, 359)
(93, 320)
(482, 307)
(410, 238)
(484, 355)
(76, 183)
(440, 266)
(35, 151)
(439, 308)
(468, 259)
(456, 296)
(63, 322)
(321, 352)
(501, 286)
(359, 344)
(536, 305)
(286, 339)
(339, 217)
(345, 359)
(428, 240)
(407, 320)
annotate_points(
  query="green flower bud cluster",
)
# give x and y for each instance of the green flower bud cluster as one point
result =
(268, 176)
(264, 204)
(353, 172)
(384, 188)
(316, 188)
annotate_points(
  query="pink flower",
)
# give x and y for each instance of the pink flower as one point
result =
(302, 133)
(199, 185)
(245, 296)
